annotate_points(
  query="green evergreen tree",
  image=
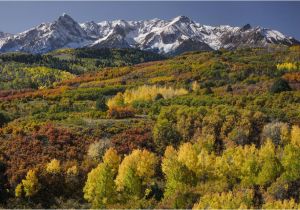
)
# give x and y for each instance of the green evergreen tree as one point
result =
(101, 104)
(280, 85)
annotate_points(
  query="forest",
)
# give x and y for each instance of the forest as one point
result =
(123, 128)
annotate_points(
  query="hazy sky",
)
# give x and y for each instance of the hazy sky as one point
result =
(283, 16)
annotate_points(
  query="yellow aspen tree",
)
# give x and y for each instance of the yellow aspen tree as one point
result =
(100, 188)
(226, 200)
(270, 167)
(30, 184)
(19, 190)
(112, 159)
(295, 135)
(53, 167)
(279, 204)
(178, 177)
(135, 172)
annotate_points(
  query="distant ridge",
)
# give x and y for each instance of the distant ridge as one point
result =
(163, 36)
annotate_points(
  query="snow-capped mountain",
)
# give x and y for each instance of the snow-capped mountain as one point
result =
(4, 37)
(64, 32)
(164, 36)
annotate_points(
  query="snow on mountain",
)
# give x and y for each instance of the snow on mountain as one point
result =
(164, 36)
(4, 37)
(64, 32)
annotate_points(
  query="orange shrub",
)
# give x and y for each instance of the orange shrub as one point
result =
(292, 77)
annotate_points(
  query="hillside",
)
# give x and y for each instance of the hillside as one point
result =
(203, 129)
(29, 71)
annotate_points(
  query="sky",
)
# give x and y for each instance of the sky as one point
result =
(16, 17)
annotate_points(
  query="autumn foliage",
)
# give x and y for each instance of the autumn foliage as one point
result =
(198, 130)
(131, 139)
(120, 112)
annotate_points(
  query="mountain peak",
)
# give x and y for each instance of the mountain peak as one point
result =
(65, 18)
(246, 27)
(182, 18)
(67, 25)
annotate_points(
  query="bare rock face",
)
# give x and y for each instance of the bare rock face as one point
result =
(163, 36)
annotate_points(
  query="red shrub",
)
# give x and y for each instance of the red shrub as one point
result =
(134, 138)
(22, 153)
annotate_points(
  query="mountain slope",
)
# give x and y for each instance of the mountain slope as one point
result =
(4, 37)
(64, 32)
(163, 36)
(75, 61)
